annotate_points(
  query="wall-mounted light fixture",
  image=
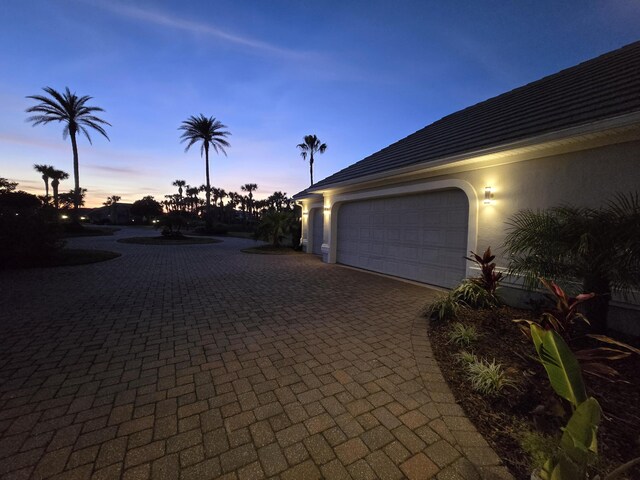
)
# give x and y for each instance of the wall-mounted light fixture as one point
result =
(488, 196)
(304, 214)
(327, 209)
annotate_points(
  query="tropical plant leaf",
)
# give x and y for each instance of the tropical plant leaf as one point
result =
(601, 353)
(579, 438)
(561, 365)
(603, 371)
(605, 339)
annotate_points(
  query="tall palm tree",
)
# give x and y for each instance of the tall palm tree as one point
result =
(249, 188)
(76, 115)
(211, 133)
(310, 146)
(179, 184)
(46, 171)
(57, 176)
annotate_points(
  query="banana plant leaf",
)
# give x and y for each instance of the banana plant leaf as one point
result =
(579, 438)
(561, 365)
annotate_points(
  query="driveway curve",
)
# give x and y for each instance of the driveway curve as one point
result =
(200, 361)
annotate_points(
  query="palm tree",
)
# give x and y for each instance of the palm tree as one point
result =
(211, 133)
(192, 195)
(249, 188)
(275, 226)
(598, 247)
(112, 202)
(57, 176)
(179, 184)
(72, 111)
(310, 146)
(46, 171)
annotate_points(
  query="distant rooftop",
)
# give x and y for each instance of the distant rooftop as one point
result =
(604, 87)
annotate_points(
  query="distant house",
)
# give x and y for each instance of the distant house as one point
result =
(416, 207)
(120, 215)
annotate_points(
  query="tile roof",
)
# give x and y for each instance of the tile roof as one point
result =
(606, 86)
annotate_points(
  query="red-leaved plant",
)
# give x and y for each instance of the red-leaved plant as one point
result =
(562, 319)
(489, 278)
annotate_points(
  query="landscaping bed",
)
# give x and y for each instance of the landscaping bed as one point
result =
(67, 257)
(507, 419)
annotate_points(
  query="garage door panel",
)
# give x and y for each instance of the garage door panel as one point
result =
(317, 230)
(421, 237)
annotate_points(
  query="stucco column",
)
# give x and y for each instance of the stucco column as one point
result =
(304, 236)
(329, 231)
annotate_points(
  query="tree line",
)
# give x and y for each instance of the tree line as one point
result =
(77, 117)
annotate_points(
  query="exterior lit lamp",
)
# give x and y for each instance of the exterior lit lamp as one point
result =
(488, 196)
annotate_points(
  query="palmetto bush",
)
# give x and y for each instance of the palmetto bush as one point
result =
(275, 226)
(597, 247)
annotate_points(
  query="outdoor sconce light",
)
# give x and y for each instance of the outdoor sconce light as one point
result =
(488, 196)
(327, 209)
(304, 214)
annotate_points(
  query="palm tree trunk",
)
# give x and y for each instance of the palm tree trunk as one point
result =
(46, 187)
(76, 176)
(54, 185)
(311, 167)
(208, 192)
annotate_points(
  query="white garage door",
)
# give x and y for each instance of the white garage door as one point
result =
(420, 237)
(317, 227)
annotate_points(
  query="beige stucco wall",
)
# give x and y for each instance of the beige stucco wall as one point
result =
(583, 178)
(588, 175)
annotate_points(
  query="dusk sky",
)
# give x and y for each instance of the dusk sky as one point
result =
(359, 74)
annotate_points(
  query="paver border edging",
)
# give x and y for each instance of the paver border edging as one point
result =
(480, 460)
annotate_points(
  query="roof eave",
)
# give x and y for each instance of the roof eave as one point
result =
(609, 124)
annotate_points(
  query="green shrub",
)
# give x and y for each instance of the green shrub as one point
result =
(474, 295)
(488, 378)
(27, 239)
(275, 226)
(445, 307)
(463, 335)
(466, 358)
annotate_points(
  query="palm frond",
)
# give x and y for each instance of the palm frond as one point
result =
(67, 108)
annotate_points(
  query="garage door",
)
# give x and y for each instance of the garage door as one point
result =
(317, 227)
(419, 237)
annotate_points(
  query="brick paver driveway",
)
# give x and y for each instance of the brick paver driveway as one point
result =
(204, 362)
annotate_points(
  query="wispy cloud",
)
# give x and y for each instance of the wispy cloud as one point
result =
(17, 139)
(109, 169)
(162, 19)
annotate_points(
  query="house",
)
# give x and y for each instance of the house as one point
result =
(118, 214)
(417, 207)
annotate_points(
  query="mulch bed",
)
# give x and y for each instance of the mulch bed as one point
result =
(503, 419)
